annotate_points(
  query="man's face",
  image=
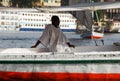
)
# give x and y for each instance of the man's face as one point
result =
(56, 23)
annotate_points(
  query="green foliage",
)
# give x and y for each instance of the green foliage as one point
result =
(46, 0)
(94, 0)
(22, 3)
(99, 13)
(1, 4)
(65, 2)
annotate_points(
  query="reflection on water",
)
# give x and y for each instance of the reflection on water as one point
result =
(27, 39)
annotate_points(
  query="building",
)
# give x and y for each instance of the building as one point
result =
(47, 3)
(106, 14)
(110, 14)
(106, 0)
(39, 3)
(78, 1)
(5, 3)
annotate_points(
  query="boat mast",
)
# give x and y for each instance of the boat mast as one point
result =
(92, 15)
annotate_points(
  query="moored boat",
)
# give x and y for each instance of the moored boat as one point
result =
(92, 35)
(31, 19)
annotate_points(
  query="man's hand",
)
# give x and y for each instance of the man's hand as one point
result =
(70, 45)
(33, 46)
(36, 44)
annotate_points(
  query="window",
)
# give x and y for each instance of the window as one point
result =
(3, 17)
(2, 23)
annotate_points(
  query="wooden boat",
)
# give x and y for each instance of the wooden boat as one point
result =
(83, 63)
(92, 35)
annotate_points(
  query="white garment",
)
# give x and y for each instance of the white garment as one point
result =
(54, 39)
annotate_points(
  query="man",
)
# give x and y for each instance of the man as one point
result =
(53, 38)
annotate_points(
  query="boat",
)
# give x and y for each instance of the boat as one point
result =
(92, 35)
(89, 7)
(31, 19)
(96, 32)
(83, 63)
(91, 32)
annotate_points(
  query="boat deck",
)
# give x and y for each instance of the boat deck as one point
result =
(78, 54)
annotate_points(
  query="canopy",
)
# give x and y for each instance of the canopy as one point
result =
(85, 6)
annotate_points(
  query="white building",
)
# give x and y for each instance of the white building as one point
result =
(52, 2)
(5, 2)
(47, 3)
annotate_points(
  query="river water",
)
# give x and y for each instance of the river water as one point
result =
(17, 39)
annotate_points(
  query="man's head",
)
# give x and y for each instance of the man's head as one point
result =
(55, 21)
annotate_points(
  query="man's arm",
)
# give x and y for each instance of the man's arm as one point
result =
(36, 44)
(44, 39)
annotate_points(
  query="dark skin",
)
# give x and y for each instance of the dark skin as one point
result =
(56, 24)
(36, 44)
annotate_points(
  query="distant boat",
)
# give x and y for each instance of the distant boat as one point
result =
(92, 35)
(93, 6)
(31, 19)
(91, 32)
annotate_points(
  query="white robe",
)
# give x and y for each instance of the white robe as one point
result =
(54, 39)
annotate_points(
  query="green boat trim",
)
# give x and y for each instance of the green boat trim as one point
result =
(58, 61)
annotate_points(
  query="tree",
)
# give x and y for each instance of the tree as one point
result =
(1, 4)
(64, 2)
(99, 12)
(22, 3)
